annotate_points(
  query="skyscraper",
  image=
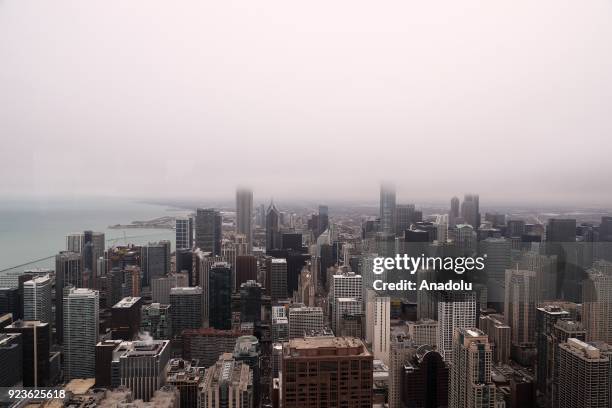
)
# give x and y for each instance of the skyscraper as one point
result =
(155, 261)
(250, 302)
(470, 382)
(584, 375)
(186, 309)
(520, 305)
(11, 356)
(37, 299)
(387, 208)
(246, 269)
(304, 320)
(272, 228)
(546, 318)
(326, 371)
(455, 310)
(36, 342)
(244, 215)
(497, 252)
(228, 383)
(402, 351)
(125, 318)
(470, 210)
(156, 321)
(404, 216)
(382, 328)
(184, 233)
(208, 231)
(425, 380)
(142, 366)
(453, 214)
(81, 307)
(597, 303)
(220, 296)
(276, 278)
(68, 271)
(344, 285)
(323, 221)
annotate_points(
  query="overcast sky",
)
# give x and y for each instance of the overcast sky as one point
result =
(319, 99)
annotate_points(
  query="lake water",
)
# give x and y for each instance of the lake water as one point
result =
(34, 229)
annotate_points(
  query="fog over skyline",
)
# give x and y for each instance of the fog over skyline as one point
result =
(319, 100)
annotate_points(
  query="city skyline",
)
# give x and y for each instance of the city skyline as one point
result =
(326, 100)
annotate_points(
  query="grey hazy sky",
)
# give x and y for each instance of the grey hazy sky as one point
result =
(320, 99)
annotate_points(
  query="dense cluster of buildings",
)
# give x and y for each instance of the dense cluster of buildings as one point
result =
(260, 307)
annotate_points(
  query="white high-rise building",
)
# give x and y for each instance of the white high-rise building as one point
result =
(345, 285)
(455, 310)
(303, 320)
(81, 307)
(37, 299)
(380, 307)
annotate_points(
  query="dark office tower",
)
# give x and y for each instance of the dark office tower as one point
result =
(36, 341)
(453, 213)
(470, 210)
(244, 214)
(114, 287)
(326, 371)
(404, 216)
(11, 355)
(184, 233)
(497, 252)
(185, 376)
(220, 296)
(272, 228)
(496, 219)
(561, 241)
(208, 231)
(246, 269)
(291, 240)
(186, 309)
(93, 249)
(155, 261)
(247, 351)
(425, 380)
(515, 228)
(184, 260)
(68, 272)
(387, 208)
(323, 219)
(250, 302)
(10, 302)
(546, 318)
(327, 261)
(125, 318)
(276, 278)
(104, 358)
